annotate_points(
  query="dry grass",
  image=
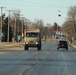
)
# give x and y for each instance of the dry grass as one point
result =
(74, 46)
(3, 52)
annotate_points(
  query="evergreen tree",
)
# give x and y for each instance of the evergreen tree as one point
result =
(5, 30)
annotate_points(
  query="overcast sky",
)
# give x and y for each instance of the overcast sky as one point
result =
(47, 10)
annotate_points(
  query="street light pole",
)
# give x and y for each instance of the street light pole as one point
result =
(59, 15)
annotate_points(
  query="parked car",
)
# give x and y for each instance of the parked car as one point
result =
(62, 44)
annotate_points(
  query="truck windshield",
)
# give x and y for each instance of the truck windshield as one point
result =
(31, 34)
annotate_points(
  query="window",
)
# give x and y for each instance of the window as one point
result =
(31, 34)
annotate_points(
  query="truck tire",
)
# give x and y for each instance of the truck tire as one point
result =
(39, 47)
(26, 47)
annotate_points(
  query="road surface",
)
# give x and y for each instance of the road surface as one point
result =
(48, 61)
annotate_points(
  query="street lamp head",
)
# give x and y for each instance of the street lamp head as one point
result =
(59, 15)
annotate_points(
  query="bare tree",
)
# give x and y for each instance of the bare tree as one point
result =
(72, 15)
(69, 26)
(39, 24)
(48, 29)
(16, 21)
(16, 13)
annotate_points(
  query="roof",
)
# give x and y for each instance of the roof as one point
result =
(33, 30)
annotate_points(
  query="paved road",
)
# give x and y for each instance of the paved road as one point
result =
(48, 61)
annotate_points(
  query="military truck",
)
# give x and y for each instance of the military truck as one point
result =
(32, 38)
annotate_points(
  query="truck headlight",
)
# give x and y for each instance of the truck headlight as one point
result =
(36, 42)
(26, 42)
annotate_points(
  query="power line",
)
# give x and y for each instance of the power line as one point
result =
(26, 3)
(39, 3)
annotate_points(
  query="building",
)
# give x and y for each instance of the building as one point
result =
(58, 33)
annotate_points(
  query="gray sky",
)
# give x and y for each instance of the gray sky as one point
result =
(47, 10)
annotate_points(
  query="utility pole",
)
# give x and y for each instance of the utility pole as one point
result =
(74, 24)
(15, 26)
(8, 24)
(15, 29)
(22, 25)
(1, 17)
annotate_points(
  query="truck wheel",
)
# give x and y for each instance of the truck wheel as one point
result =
(66, 48)
(26, 48)
(39, 47)
(57, 48)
